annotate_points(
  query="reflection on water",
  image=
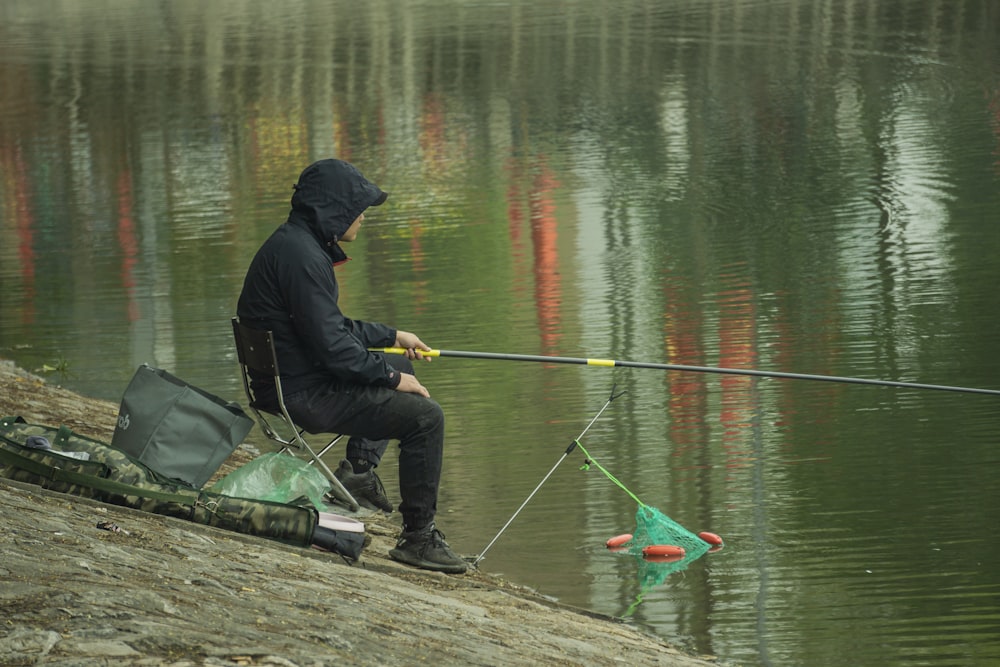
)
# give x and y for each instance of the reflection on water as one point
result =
(806, 187)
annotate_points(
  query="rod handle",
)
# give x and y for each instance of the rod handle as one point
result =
(402, 350)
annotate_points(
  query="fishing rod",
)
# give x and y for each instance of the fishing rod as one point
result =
(681, 367)
(569, 450)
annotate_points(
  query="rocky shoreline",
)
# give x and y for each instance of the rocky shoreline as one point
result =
(153, 590)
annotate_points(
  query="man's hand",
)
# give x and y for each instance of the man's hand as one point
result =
(411, 385)
(413, 346)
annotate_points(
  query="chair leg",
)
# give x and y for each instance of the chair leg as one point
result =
(338, 490)
(321, 453)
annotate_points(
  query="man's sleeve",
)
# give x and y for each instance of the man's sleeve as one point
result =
(339, 345)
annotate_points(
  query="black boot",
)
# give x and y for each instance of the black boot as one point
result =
(425, 548)
(366, 487)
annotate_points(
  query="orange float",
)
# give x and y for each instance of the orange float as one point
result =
(663, 550)
(710, 538)
(619, 541)
(662, 559)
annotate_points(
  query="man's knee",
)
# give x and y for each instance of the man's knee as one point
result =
(434, 412)
(431, 417)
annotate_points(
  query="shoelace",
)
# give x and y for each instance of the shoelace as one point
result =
(377, 485)
(434, 538)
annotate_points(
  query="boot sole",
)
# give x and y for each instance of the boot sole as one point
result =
(408, 559)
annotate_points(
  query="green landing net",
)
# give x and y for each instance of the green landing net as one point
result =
(653, 526)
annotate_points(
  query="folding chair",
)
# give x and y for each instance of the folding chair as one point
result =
(255, 350)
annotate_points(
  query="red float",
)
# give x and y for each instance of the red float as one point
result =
(663, 550)
(710, 538)
(619, 541)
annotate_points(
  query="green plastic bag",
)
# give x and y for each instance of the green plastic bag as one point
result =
(280, 478)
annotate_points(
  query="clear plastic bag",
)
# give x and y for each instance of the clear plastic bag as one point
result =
(280, 478)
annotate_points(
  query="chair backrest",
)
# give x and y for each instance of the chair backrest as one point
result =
(255, 349)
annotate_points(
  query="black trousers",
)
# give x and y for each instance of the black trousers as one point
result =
(374, 415)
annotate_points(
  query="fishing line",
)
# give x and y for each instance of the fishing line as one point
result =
(613, 363)
(573, 445)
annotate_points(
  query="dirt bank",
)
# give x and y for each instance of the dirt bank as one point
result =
(169, 592)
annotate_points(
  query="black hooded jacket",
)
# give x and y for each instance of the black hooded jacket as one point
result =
(290, 288)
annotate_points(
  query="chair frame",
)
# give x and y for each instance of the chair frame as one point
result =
(255, 351)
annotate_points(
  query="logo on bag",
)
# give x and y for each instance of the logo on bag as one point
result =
(123, 422)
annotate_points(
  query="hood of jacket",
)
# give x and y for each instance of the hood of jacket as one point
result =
(329, 196)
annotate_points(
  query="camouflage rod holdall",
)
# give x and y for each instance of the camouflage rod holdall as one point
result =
(178, 430)
(62, 461)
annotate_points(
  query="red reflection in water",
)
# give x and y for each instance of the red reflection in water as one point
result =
(127, 241)
(432, 134)
(531, 189)
(515, 216)
(544, 237)
(418, 266)
(686, 408)
(737, 335)
(24, 225)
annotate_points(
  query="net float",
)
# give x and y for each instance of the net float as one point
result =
(710, 538)
(663, 559)
(663, 550)
(619, 541)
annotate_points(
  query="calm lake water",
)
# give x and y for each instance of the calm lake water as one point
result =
(787, 185)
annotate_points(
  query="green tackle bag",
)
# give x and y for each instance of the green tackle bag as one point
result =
(176, 429)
